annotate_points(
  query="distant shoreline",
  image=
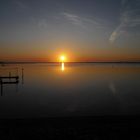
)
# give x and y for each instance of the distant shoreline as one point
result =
(120, 62)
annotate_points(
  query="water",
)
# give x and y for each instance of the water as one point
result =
(76, 89)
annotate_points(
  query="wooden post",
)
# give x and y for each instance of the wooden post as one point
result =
(9, 74)
(0, 81)
(1, 86)
(22, 76)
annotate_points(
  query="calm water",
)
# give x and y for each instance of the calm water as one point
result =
(71, 90)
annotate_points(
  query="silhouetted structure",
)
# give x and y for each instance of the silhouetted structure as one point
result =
(10, 79)
(2, 82)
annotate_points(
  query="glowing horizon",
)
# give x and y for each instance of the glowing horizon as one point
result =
(73, 56)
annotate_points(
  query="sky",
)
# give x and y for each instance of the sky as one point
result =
(82, 30)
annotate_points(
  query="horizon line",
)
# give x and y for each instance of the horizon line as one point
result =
(14, 62)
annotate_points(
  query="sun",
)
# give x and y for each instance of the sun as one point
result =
(62, 58)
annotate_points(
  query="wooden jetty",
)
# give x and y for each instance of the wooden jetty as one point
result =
(15, 78)
(9, 78)
(15, 82)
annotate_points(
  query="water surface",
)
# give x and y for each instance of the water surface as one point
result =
(76, 89)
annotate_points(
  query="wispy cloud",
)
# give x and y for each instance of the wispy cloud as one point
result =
(42, 24)
(116, 33)
(123, 2)
(82, 22)
(76, 20)
(21, 4)
(130, 17)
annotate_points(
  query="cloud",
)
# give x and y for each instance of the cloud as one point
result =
(82, 22)
(76, 20)
(42, 24)
(124, 2)
(21, 4)
(116, 33)
(129, 18)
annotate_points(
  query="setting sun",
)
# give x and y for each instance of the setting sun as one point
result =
(62, 58)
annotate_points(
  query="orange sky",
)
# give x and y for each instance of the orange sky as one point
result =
(74, 52)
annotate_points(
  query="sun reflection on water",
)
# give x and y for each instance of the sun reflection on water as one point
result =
(62, 66)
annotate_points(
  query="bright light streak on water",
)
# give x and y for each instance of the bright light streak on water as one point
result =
(62, 67)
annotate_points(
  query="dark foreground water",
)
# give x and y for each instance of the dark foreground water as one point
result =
(76, 89)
